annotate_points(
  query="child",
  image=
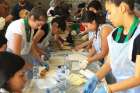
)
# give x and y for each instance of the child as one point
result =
(12, 76)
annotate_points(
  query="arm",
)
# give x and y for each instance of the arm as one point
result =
(9, 18)
(129, 83)
(58, 40)
(92, 52)
(35, 53)
(83, 33)
(83, 45)
(35, 50)
(16, 49)
(104, 46)
(104, 69)
(39, 34)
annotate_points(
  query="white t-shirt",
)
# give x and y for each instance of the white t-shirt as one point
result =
(90, 35)
(18, 27)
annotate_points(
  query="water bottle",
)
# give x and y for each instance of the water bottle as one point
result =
(48, 90)
(67, 63)
(61, 79)
(45, 62)
(35, 70)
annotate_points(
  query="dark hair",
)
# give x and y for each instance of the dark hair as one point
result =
(95, 4)
(3, 40)
(52, 12)
(61, 23)
(89, 16)
(82, 5)
(37, 12)
(129, 2)
(62, 11)
(9, 65)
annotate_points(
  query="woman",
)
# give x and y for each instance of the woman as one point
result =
(99, 49)
(96, 7)
(20, 34)
(99, 39)
(44, 35)
(12, 76)
(124, 49)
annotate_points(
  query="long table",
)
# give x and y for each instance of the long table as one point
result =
(57, 58)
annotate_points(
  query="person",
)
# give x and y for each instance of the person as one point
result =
(20, 34)
(99, 40)
(99, 50)
(96, 7)
(53, 4)
(12, 76)
(80, 8)
(4, 8)
(3, 43)
(22, 4)
(41, 37)
(124, 54)
(44, 36)
(3, 14)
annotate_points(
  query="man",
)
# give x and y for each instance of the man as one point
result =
(22, 4)
(4, 8)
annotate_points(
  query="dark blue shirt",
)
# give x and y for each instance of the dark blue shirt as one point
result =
(16, 9)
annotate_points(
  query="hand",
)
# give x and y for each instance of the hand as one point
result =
(109, 89)
(83, 64)
(101, 89)
(91, 85)
(89, 59)
(80, 35)
(77, 48)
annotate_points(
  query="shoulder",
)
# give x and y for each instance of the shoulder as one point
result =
(16, 26)
(106, 25)
(17, 23)
(106, 29)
